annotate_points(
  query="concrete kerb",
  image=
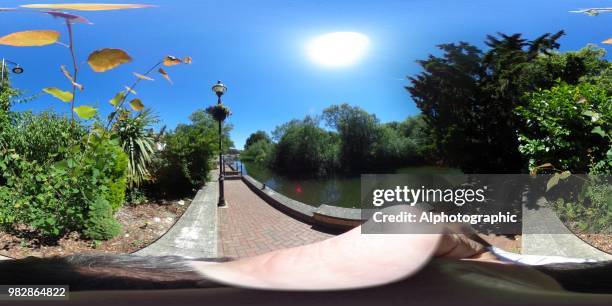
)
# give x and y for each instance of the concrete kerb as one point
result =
(195, 233)
(323, 215)
(545, 234)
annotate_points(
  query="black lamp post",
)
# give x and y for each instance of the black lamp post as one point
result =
(5, 63)
(220, 113)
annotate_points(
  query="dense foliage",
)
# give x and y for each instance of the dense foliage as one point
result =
(357, 142)
(568, 126)
(303, 147)
(138, 141)
(469, 96)
(257, 137)
(185, 161)
(257, 151)
(56, 177)
(592, 212)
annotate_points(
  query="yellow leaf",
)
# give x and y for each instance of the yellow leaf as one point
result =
(565, 174)
(165, 75)
(117, 98)
(130, 90)
(143, 77)
(553, 181)
(35, 38)
(107, 59)
(70, 78)
(65, 96)
(87, 6)
(171, 61)
(608, 41)
(85, 112)
(137, 105)
(188, 60)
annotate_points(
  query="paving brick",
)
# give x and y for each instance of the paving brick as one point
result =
(249, 226)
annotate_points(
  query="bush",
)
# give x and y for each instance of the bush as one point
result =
(568, 126)
(592, 213)
(185, 162)
(101, 225)
(58, 190)
(107, 164)
(136, 137)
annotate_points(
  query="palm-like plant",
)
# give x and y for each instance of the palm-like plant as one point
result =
(138, 141)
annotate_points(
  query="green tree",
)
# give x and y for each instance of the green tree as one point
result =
(256, 137)
(419, 137)
(258, 152)
(305, 148)
(358, 131)
(468, 96)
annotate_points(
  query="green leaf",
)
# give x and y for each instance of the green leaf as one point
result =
(594, 115)
(64, 96)
(553, 181)
(137, 105)
(117, 99)
(85, 112)
(599, 131)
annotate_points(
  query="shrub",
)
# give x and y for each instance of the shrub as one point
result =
(107, 164)
(138, 141)
(568, 126)
(185, 162)
(51, 196)
(101, 225)
(591, 213)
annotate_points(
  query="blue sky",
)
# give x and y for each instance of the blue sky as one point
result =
(258, 49)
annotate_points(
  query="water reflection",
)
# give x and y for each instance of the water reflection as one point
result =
(337, 190)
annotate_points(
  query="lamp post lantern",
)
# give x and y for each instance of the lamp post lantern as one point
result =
(220, 113)
(17, 69)
(3, 73)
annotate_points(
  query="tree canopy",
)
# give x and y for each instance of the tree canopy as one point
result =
(468, 96)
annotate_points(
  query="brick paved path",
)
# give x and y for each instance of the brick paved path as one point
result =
(250, 226)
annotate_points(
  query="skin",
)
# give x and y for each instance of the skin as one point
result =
(354, 260)
(450, 267)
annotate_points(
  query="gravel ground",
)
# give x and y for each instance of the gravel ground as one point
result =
(142, 225)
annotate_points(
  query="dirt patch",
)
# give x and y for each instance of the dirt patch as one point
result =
(142, 225)
(602, 242)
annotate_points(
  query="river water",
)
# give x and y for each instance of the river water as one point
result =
(338, 190)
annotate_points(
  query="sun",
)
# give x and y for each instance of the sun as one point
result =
(338, 49)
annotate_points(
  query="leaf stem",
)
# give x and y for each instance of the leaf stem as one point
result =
(75, 69)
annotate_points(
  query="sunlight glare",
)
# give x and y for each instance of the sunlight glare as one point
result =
(338, 49)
